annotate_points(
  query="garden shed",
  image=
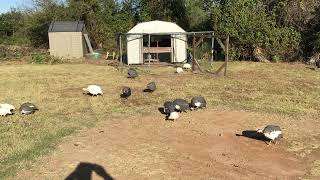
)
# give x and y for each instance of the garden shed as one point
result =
(156, 40)
(67, 39)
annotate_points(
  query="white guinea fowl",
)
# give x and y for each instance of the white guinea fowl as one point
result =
(93, 90)
(179, 70)
(8, 106)
(272, 132)
(186, 66)
(5, 111)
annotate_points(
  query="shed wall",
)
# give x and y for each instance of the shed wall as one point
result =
(134, 49)
(66, 44)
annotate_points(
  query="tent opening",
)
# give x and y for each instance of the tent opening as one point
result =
(160, 48)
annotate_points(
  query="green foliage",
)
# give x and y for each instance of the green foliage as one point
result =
(198, 13)
(274, 26)
(8, 52)
(165, 10)
(317, 42)
(10, 28)
(43, 58)
(249, 25)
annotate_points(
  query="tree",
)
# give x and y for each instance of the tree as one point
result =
(250, 26)
(12, 27)
(165, 10)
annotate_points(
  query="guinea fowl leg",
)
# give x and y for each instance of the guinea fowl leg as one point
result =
(267, 142)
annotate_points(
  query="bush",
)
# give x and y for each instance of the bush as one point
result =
(13, 52)
(317, 43)
(45, 59)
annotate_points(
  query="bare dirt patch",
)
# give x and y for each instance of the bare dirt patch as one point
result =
(200, 145)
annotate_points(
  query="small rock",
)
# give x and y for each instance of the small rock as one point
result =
(220, 134)
(235, 165)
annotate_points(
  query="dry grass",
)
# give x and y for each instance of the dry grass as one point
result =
(289, 90)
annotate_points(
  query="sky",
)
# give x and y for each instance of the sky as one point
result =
(5, 5)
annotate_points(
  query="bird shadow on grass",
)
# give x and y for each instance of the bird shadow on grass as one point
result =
(253, 134)
(147, 90)
(123, 96)
(88, 94)
(84, 171)
(312, 68)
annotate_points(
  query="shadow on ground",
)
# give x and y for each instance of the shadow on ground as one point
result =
(253, 134)
(84, 171)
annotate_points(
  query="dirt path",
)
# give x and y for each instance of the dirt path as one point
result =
(200, 145)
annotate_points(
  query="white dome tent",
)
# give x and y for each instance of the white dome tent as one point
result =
(147, 40)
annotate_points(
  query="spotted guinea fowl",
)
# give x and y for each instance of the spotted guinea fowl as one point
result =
(169, 110)
(126, 92)
(28, 108)
(8, 106)
(181, 105)
(93, 90)
(132, 73)
(151, 87)
(5, 111)
(168, 107)
(198, 102)
(272, 133)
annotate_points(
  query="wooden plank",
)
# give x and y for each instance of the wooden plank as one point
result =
(88, 42)
(193, 52)
(149, 37)
(200, 40)
(120, 46)
(212, 49)
(221, 44)
(197, 63)
(227, 56)
(220, 68)
(157, 50)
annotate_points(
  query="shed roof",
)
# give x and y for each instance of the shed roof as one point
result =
(66, 26)
(156, 27)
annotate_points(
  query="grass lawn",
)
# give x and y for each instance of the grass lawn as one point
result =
(292, 91)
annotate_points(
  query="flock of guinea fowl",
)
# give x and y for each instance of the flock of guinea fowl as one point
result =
(271, 133)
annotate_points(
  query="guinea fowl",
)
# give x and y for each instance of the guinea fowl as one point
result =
(5, 111)
(179, 70)
(186, 66)
(272, 132)
(198, 102)
(93, 90)
(151, 87)
(169, 110)
(28, 108)
(8, 106)
(132, 73)
(181, 105)
(126, 92)
(168, 107)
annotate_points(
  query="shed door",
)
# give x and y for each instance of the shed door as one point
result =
(134, 49)
(180, 48)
